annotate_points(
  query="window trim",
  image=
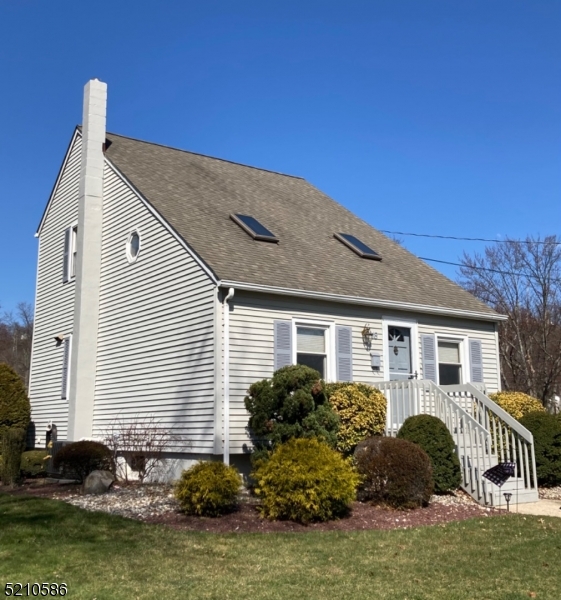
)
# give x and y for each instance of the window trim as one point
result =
(65, 385)
(256, 236)
(72, 251)
(341, 237)
(388, 322)
(462, 341)
(132, 259)
(330, 350)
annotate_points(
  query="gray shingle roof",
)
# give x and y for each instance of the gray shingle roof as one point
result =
(196, 194)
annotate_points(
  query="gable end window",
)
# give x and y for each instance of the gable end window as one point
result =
(65, 383)
(134, 245)
(69, 255)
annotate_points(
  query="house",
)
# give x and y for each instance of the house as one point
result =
(169, 281)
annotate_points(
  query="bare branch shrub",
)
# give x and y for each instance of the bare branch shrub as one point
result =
(139, 446)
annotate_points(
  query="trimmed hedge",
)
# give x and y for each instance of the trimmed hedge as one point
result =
(305, 480)
(79, 459)
(395, 473)
(12, 444)
(432, 435)
(15, 411)
(517, 404)
(208, 489)
(290, 405)
(33, 463)
(361, 410)
(546, 430)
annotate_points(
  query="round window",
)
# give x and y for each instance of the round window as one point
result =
(133, 246)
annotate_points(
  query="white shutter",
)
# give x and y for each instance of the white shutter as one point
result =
(344, 353)
(66, 255)
(476, 361)
(67, 345)
(428, 348)
(283, 344)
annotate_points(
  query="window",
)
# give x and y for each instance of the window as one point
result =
(73, 247)
(65, 384)
(357, 246)
(254, 228)
(133, 246)
(449, 362)
(70, 250)
(311, 348)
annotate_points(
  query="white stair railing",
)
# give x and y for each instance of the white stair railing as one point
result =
(472, 439)
(511, 441)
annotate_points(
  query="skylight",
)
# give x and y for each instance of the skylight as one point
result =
(254, 228)
(357, 246)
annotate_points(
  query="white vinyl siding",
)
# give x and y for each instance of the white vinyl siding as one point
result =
(252, 353)
(54, 303)
(156, 327)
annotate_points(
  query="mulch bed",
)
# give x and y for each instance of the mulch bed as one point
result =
(248, 520)
(363, 517)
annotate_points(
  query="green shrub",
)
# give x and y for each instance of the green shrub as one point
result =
(290, 405)
(395, 473)
(79, 459)
(12, 444)
(33, 463)
(361, 410)
(208, 489)
(546, 430)
(517, 404)
(15, 411)
(432, 435)
(305, 480)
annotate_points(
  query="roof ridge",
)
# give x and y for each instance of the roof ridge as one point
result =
(232, 162)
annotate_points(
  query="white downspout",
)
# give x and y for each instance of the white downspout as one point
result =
(226, 414)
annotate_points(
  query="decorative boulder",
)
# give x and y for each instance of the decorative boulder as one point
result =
(98, 482)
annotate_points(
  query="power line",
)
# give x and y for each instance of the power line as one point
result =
(515, 273)
(466, 239)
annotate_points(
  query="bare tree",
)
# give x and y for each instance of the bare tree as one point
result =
(140, 444)
(522, 279)
(16, 334)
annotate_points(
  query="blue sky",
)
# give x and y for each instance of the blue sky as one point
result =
(430, 117)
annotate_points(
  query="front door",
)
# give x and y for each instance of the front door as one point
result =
(399, 345)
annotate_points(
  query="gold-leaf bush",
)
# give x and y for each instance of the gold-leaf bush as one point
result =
(361, 409)
(208, 489)
(517, 404)
(305, 480)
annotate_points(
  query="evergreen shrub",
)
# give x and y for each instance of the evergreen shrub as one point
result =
(361, 410)
(33, 463)
(305, 480)
(208, 489)
(12, 444)
(432, 435)
(546, 430)
(395, 473)
(79, 459)
(517, 404)
(15, 411)
(292, 404)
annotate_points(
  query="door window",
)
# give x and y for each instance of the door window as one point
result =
(399, 347)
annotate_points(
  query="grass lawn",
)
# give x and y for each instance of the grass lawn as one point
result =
(100, 556)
